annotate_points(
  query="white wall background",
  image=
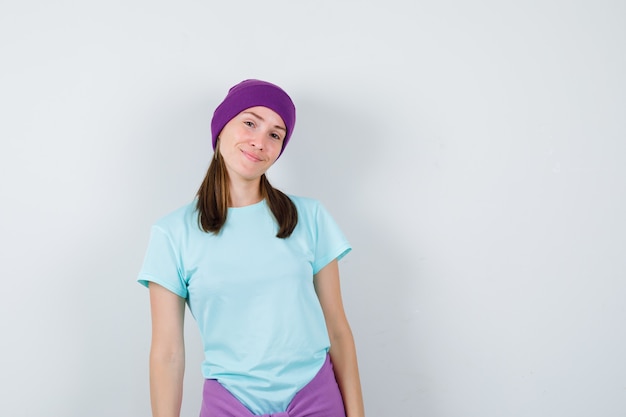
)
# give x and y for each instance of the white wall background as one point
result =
(473, 152)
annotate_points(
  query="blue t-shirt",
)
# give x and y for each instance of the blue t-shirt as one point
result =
(252, 295)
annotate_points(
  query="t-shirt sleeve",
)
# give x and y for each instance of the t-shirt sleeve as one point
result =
(162, 264)
(330, 241)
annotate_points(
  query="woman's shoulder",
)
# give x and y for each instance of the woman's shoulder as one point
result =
(178, 218)
(304, 203)
(310, 208)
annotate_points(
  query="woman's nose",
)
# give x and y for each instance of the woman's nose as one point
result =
(258, 141)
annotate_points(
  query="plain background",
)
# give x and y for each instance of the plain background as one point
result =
(474, 153)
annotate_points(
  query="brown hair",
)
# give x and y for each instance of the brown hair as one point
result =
(214, 195)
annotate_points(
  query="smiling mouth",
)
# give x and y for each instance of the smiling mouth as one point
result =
(251, 157)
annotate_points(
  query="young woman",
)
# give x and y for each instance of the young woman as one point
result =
(259, 272)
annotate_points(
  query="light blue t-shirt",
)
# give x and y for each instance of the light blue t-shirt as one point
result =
(252, 295)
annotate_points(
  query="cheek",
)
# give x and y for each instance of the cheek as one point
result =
(276, 151)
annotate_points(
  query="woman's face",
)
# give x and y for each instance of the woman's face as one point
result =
(251, 142)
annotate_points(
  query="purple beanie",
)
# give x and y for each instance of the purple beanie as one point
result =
(251, 93)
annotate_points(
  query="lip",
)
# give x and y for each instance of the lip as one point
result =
(251, 156)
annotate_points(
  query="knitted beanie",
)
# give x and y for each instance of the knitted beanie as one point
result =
(251, 93)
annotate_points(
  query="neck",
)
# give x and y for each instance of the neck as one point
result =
(245, 193)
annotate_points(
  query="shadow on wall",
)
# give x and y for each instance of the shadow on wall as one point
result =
(335, 156)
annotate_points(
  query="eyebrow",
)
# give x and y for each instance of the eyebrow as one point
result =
(262, 119)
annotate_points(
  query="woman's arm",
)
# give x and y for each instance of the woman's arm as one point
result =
(167, 352)
(342, 349)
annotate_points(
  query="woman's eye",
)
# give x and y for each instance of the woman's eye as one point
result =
(276, 136)
(249, 123)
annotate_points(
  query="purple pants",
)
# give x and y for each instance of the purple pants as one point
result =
(319, 398)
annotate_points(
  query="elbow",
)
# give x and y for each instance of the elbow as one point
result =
(169, 353)
(340, 334)
(167, 357)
